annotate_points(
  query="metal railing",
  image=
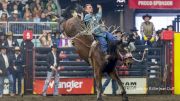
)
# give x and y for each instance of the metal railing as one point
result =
(3, 27)
(37, 27)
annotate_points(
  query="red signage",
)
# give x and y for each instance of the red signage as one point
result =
(27, 35)
(66, 86)
(154, 4)
(167, 35)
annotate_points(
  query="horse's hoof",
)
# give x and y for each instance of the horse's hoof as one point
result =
(125, 98)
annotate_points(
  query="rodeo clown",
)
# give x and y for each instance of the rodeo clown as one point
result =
(147, 30)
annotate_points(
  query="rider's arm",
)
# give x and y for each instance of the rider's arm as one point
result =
(88, 17)
(99, 13)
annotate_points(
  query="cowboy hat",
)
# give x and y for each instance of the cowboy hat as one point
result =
(147, 15)
(9, 33)
(134, 29)
(17, 48)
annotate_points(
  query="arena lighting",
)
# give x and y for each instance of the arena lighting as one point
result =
(120, 1)
(120, 5)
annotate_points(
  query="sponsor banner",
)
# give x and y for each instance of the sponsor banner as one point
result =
(66, 86)
(131, 85)
(176, 63)
(154, 4)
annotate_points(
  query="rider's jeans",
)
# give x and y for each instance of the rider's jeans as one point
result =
(104, 40)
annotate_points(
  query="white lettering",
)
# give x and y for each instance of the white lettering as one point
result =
(51, 84)
(155, 3)
(67, 85)
(70, 85)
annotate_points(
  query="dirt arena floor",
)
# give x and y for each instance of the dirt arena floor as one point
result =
(91, 98)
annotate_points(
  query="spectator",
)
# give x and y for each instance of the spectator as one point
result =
(53, 61)
(3, 26)
(147, 30)
(15, 8)
(45, 39)
(15, 16)
(36, 3)
(158, 42)
(43, 17)
(27, 17)
(36, 18)
(49, 12)
(114, 84)
(52, 5)
(18, 70)
(4, 17)
(170, 28)
(1, 6)
(36, 11)
(2, 37)
(26, 9)
(4, 8)
(5, 71)
(56, 37)
(64, 41)
(135, 36)
(10, 41)
(19, 4)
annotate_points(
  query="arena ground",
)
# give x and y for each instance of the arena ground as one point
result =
(91, 98)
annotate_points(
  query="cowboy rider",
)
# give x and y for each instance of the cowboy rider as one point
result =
(98, 30)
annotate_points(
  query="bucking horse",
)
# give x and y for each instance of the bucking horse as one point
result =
(89, 49)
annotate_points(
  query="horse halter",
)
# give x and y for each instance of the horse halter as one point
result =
(126, 58)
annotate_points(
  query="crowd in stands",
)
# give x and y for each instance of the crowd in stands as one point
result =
(28, 10)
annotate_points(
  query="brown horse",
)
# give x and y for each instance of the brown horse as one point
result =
(89, 50)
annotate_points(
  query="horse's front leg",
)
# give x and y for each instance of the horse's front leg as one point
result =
(115, 76)
(98, 78)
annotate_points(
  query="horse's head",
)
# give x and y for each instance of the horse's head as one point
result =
(122, 49)
(72, 10)
(73, 23)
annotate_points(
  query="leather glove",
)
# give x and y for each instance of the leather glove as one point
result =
(152, 39)
(145, 38)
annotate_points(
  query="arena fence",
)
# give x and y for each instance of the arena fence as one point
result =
(37, 27)
(142, 74)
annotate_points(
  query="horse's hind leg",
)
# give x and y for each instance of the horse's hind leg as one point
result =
(115, 76)
(98, 78)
